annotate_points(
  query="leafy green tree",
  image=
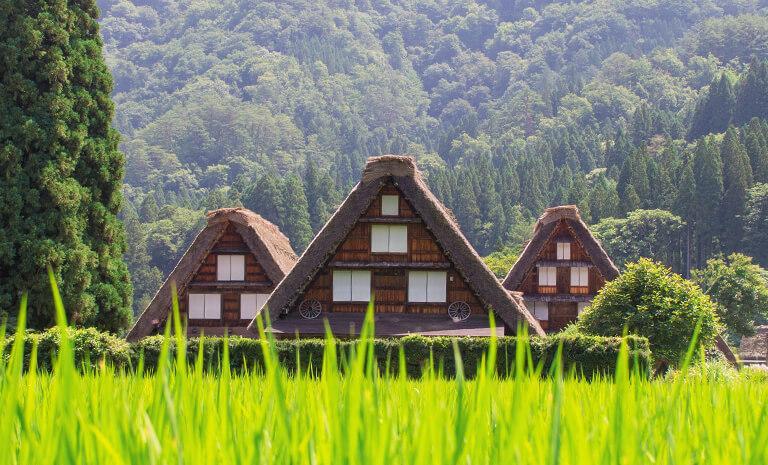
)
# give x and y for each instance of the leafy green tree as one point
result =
(649, 300)
(756, 223)
(501, 262)
(655, 234)
(737, 177)
(61, 168)
(739, 289)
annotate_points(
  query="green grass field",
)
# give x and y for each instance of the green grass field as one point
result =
(185, 416)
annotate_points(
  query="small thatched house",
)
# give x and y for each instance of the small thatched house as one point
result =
(392, 241)
(561, 269)
(225, 276)
(753, 350)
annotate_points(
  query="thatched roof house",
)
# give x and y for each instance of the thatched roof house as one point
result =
(231, 267)
(754, 349)
(392, 241)
(561, 268)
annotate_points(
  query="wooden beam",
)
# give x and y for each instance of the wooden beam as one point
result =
(391, 265)
(230, 285)
(385, 324)
(564, 263)
(230, 250)
(389, 219)
(558, 297)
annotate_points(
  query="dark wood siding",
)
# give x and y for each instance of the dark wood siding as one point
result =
(389, 272)
(561, 312)
(204, 281)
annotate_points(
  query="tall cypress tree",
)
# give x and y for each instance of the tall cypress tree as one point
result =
(714, 112)
(708, 173)
(737, 177)
(757, 149)
(295, 221)
(60, 167)
(753, 93)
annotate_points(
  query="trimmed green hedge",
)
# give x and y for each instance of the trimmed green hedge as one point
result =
(585, 355)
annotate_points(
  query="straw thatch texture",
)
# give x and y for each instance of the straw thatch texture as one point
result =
(271, 248)
(542, 232)
(438, 219)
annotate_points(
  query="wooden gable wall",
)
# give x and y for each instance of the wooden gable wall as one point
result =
(389, 272)
(204, 281)
(548, 253)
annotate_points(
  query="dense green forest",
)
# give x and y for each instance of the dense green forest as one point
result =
(623, 108)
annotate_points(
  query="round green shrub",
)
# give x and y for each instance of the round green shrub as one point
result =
(652, 301)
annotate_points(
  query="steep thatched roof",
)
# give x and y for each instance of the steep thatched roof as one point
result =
(402, 171)
(755, 348)
(270, 247)
(542, 233)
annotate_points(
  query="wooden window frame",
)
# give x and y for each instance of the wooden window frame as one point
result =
(206, 298)
(225, 275)
(385, 210)
(441, 288)
(388, 228)
(260, 300)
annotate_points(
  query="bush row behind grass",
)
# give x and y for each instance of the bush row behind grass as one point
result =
(582, 354)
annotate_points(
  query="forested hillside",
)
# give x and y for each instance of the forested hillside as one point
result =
(509, 106)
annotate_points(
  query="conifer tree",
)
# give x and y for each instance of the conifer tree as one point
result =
(685, 206)
(708, 174)
(737, 177)
(714, 112)
(61, 169)
(148, 210)
(642, 125)
(757, 148)
(753, 93)
(295, 220)
(756, 223)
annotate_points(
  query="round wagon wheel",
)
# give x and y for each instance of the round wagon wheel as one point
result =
(459, 311)
(310, 309)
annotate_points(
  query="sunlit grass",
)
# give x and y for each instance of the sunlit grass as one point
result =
(186, 415)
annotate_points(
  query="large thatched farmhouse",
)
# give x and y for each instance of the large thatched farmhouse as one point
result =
(394, 243)
(561, 269)
(225, 276)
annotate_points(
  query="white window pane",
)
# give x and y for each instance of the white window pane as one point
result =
(223, 267)
(390, 205)
(541, 311)
(563, 250)
(575, 278)
(436, 286)
(196, 306)
(237, 267)
(543, 276)
(361, 286)
(212, 306)
(398, 238)
(584, 276)
(379, 238)
(417, 286)
(248, 306)
(342, 286)
(261, 300)
(547, 276)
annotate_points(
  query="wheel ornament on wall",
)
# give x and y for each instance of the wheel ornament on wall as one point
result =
(459, 311)
(310, 309)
